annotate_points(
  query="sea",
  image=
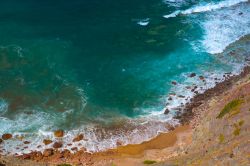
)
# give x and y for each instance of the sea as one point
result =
(109, 69)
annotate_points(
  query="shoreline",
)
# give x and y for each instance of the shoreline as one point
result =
(160, 142)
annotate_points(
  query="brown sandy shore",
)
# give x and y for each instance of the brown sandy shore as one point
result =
(202, 139)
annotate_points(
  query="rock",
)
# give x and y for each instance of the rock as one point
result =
(192, 75)
(59, 133)
(166, 111)
(6, 136)
(78, 138)
(57, 145)
(26, 142)
(37, 156)
(240, 13)
(1, 141)
(181, 96)
(26, 156)
(48, 152)
(66, 153)
(118, 143)
(47, 141)
(201, 77)
(170, 98)
(74, 149)
(174, 83)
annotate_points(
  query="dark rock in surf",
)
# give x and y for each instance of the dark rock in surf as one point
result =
(174, 83)
(192, 75)
(166, 111)
(78, 138)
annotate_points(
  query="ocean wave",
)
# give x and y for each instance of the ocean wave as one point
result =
(205, 8)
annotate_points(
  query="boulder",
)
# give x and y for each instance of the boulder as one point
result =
(6, 136)
(174, 83)
(118, 143)
(74, 149)
(1, 141)
(26, 142)
(26, 156)
(201, 77)
(78, 138)
(166, 111)
(47, 141)
(57, 145)
(48, 152)
(59, 133)
(192, 75)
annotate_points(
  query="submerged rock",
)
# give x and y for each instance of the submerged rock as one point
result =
(59, 133)
(6, 136)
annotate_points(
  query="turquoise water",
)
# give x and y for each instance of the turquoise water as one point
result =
(86, 66)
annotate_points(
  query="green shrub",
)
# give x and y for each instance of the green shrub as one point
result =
(221, 138)
(230, 107)
(149, 162)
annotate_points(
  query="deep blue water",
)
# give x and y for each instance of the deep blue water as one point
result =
(67, 64)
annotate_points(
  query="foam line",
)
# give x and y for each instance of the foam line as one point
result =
(205, 8)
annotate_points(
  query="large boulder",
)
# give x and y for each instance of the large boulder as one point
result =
(6, 136)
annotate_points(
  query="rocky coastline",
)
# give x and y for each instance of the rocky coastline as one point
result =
(54, 156)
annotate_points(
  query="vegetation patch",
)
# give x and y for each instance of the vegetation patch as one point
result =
(241, 122)
(236, 132)
(221, 138)
(237, 129)
(231, 107)
(64, 165)
(149, 162)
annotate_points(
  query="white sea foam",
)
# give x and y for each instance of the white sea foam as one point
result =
(223, 27)
(143, 22)
(206, 8)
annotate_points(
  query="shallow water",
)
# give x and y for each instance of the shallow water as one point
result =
(105, 68)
